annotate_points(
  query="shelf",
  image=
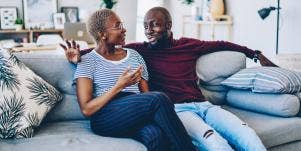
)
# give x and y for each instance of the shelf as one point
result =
(27, 31)
(13, 31)
(223, 20)
(209, 22)
(30, 35)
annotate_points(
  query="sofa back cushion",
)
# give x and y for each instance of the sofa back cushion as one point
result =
(56, 70)
(213, 68)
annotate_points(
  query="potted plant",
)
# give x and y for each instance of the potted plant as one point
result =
(19, 24)
(108, 3)
(188, 1)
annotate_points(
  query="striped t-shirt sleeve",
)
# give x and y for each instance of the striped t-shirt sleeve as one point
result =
(84, 69)
(142, 62)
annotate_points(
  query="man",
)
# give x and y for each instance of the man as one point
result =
(171, 65)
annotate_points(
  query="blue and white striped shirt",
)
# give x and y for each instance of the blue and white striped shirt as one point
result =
(105, 73)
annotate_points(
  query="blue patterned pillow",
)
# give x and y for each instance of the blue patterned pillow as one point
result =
(266, 80)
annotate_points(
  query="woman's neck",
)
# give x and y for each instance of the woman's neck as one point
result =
(105, 50)
(110, 52)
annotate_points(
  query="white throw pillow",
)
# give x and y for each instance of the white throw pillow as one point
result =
(25, 98)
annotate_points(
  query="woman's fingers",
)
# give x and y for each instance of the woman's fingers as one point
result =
(126, 71)
(78, 47)
(73, 44)
(63, 46)
(68, 44)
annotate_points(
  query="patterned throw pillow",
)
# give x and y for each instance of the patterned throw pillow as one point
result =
(25, 98)
(266, 80)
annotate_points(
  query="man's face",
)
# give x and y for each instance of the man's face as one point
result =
(155, 27)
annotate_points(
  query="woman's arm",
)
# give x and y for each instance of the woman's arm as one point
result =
(89, 105)
(84, 90)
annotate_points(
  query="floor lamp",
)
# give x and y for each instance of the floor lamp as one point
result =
(265, 12)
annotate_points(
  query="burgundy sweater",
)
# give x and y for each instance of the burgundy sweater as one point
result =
(172, 70)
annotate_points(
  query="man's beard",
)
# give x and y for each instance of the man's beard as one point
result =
(160, 43)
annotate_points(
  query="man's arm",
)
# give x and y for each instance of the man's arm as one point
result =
(214, 46)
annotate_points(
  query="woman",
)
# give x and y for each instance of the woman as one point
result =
(109, 80)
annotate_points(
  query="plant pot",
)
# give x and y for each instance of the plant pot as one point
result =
(19, 27)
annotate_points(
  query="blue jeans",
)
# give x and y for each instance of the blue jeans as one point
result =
(213, 128)
(149, 118)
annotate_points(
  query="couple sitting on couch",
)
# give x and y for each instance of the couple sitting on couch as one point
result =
(110, 78)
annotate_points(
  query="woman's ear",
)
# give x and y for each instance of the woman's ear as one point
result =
(102, 35)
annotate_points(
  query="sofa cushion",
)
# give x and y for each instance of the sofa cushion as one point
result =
(214, 82)
(25, 98)
(70, 136)
(60, 75)
(299, 97)
(67, 109)
(51, 66)
(272, 130)
(285, 105)
(229, 62)
(215, 97)
(266, 80)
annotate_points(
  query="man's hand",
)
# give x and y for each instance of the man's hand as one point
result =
(72, 51)
(265, 61)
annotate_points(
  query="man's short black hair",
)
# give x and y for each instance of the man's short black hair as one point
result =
(163, 10)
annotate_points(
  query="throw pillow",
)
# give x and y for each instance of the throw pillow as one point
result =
(229, 62)
(284, 105)
(266, 80)
(299, 97)
(25, 98)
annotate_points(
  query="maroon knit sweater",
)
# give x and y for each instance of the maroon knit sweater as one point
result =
(172, 70)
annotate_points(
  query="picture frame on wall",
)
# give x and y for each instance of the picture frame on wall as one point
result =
(71, 14)
(59, 20)
(8, 16)
(38, 14)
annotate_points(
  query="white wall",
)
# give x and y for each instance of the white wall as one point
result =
(248, 28)
(177, 10)
(251, 30)
(143, 7)
(126, 9)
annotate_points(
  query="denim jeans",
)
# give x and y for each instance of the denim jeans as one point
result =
(215, 129)
(149, 118)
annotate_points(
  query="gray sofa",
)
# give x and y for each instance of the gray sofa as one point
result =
(65, 128)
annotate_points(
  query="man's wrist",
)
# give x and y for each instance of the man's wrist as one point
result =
(256, 55)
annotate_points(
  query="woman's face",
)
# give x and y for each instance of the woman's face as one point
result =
(115, 32)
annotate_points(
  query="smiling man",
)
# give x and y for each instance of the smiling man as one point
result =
(171, 64)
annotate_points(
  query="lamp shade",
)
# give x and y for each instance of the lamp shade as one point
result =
(265, 12)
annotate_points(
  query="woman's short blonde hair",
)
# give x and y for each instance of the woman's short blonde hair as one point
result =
(97, 21)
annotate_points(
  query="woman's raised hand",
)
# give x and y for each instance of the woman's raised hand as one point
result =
(129, 78)
(72, 51)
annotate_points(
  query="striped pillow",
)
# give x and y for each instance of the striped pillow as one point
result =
(265, 80)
